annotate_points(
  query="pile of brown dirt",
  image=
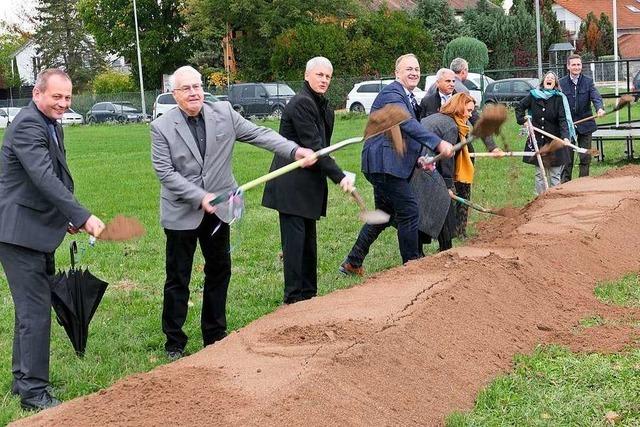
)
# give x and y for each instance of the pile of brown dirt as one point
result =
(411, 344)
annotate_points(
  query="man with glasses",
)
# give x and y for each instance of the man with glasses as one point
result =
(389, 173)
(192, 149)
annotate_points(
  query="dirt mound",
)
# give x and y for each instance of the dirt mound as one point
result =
(412, 344)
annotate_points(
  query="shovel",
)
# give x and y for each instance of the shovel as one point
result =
(380, 121)
(370, 217)
(622, 102)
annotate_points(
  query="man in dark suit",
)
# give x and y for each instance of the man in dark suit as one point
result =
(581, 92)
(37, 208)
(445, 84)
(300, 197)
(389, 173)
(192, 146)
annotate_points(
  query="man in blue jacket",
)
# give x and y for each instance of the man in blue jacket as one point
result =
(389, 173)
(580, 92)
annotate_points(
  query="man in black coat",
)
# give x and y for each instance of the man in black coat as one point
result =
(581, 93)
(300, 196)
(37, 208)
(445, 85)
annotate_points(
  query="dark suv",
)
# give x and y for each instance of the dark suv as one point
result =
(260, 99)
(508, 91)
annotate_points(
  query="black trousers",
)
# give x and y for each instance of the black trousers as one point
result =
(181, 246)
(299, 255)
(29, 274)
(584, 141)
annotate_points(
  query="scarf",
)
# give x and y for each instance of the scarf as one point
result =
(464, 169)
(548, 93)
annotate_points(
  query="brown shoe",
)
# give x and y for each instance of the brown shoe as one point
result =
(349, 269)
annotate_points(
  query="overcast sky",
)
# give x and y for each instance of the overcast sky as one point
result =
(13, 11)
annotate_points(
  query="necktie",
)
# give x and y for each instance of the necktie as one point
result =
(200, 137)
(414, 104)
(52, 132)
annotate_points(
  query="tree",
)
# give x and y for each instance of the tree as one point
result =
(294, 47)
(473, 50)
(606, 29)
(379, 37)
(591, 37)
(258, 23)
(112, 82)
(439, 20)
(63, 41)
(9, 43)
(164, 43)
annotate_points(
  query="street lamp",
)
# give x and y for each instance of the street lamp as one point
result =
(135, 18)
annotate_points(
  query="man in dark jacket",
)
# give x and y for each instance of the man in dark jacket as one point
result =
(300, 196)
(580, 92)
(445, 84)
(390, 173)
(37, 209)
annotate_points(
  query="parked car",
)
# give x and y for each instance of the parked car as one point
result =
(11, 112)
(4, 119)
(473, 83)
(260, 99)
(362, 95)
(165, 101)
(70, 117)
(121, 112)
(508, 91)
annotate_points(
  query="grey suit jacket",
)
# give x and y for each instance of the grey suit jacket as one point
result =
(36, 188)
(185, 177)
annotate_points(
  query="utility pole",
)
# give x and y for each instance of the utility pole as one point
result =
(135, 18)
(538, 41)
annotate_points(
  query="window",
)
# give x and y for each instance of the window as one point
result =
(521, 87)
(249, 91)
(279, 89)
(167, 99)
(369, 88)
(260, 91)
(633, 9)
(99, 107)
(501, 87)
(470, 85)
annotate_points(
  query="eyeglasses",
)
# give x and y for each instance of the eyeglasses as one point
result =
(186, 88)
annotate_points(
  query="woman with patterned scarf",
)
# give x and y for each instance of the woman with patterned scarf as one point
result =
(453, 121)
(549, 111)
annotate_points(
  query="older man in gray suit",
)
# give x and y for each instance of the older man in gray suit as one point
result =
(192, 147)
(37, 208)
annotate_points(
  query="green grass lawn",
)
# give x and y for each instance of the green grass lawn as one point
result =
(113, 175)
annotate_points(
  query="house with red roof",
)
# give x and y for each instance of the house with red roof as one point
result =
(571, 13)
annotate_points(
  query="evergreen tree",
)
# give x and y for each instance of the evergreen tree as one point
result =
(63, 41)
(606, 29)
(439, 20)
(590, 37)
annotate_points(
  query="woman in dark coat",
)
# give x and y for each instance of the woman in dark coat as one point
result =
(549, 111)
(453, 122)
(300, 196)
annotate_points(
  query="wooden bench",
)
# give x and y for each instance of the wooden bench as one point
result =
(626, 135)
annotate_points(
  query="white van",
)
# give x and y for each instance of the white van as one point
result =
(472, 83)
(165, 102)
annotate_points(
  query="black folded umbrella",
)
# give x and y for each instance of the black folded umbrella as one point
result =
(75, 296)
(433, 200)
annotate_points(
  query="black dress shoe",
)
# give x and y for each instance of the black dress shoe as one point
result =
(42, 401)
